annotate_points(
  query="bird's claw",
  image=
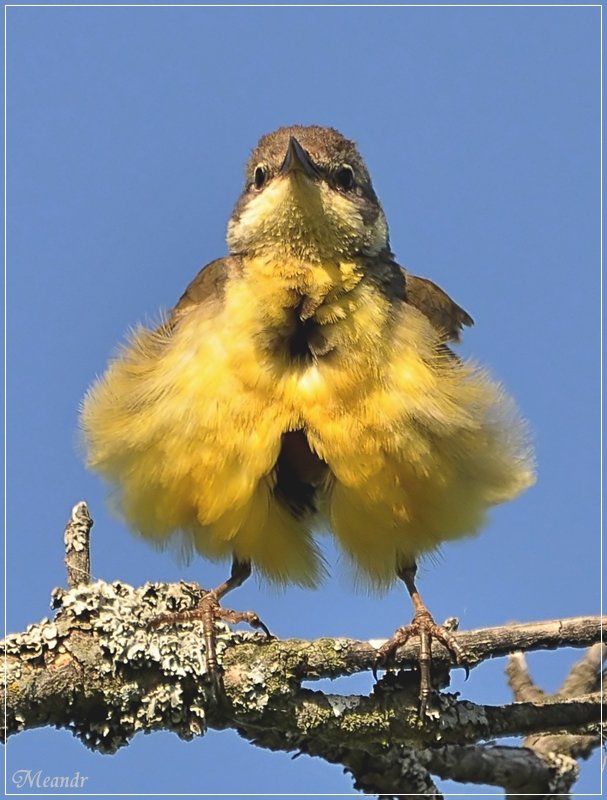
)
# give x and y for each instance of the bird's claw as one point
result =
(424, 626)
(209, 611)
(250, 617)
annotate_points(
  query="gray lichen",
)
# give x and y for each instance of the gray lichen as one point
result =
(162, 669)
(106, 669)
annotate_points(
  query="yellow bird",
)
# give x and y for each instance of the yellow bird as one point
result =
(306, 380)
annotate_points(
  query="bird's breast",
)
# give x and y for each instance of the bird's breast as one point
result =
(301, 315)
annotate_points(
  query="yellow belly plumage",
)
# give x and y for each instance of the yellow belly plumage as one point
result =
(187, 423)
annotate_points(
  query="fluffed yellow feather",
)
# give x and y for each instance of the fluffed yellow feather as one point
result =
(188, 424)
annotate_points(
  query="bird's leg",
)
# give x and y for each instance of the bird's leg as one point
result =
(209, 611)
(424, 626)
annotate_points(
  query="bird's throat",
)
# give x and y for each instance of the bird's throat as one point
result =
(289, 282)
(294, 304)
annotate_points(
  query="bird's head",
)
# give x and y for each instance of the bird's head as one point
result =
(308, 194)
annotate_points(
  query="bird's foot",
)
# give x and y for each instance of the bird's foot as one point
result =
(209, 611)
(424, 626)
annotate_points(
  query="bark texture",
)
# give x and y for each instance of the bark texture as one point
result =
(101, 670)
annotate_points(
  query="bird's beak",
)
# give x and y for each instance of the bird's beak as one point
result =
(297, 160)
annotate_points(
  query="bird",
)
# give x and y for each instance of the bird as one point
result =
(307, 380)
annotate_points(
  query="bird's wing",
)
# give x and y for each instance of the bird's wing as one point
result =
(207, 287)
(443, 312)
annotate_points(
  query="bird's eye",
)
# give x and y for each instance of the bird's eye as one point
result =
(344, 177)
(260, 176)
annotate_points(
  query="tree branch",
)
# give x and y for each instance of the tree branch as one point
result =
(99, 669)
(584, 676)
(101, 634)
(76, 538)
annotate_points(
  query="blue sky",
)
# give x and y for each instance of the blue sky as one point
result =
(127, 133)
